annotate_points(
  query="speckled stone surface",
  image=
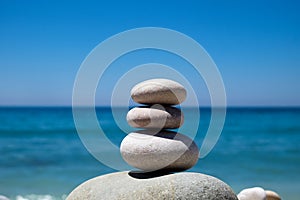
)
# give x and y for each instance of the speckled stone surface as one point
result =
(158, 91)
(134, 186)
(165, 150)
(155, 117)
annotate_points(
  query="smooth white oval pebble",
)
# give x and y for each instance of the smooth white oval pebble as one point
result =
(158, 91)
(157, 117)
(165, 150)
(255, 193)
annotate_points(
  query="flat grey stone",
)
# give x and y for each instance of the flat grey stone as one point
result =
(157, 117)
(158, 91)
(166, 150)
(135, 186)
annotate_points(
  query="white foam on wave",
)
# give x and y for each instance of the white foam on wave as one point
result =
(39, 197)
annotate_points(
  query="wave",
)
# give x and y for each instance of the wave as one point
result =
(39, 197)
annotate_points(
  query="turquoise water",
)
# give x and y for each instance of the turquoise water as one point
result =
(42, 156)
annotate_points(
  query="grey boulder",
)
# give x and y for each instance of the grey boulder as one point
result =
(139, 186)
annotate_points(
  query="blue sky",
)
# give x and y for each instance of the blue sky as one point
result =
(255, 44)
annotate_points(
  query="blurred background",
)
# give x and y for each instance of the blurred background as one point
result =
(255, 45)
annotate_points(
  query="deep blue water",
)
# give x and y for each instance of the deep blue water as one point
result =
(41, 153)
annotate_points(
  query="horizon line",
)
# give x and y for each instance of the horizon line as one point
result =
(187, 106)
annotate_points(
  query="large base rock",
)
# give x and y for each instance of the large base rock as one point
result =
(146, 186)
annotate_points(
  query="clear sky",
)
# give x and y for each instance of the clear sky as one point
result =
(255, 44)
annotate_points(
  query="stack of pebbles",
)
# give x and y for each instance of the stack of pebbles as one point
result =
(156, 151)
(156, 147)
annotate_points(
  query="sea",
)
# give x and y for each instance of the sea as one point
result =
(42, 156)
